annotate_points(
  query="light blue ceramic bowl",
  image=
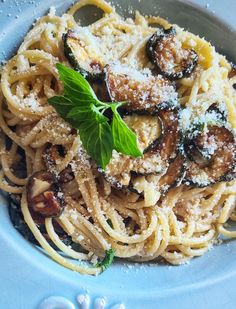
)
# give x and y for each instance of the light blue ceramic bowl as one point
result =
(28, 276)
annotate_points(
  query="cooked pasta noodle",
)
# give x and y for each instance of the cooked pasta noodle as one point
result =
(181, 224)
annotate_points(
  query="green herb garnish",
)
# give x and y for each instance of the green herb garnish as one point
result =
(108, 259)
(80, 107)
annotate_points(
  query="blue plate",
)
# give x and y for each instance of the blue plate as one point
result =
(29, 279)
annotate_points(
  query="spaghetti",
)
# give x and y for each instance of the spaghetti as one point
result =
(175, 226)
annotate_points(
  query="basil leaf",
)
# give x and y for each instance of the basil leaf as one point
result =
(79, 112)
(62, 104)
(80, 107)
(75, 85)
(97, 140)
(108, 259)
(125, 140)
(99, 117)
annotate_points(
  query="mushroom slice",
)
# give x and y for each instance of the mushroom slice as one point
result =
(166, 52)
(44, 195)
(142, 91)
(66, 175)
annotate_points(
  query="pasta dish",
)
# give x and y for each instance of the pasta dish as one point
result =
(118, 140)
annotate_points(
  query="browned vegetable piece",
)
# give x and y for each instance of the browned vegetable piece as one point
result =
(44, 195)
(66, 175)
(141, 91)
(175, 173)
(156, 156)
(219, 111)
(220, 145)
(166, 52)
(81, 56)
(147, 127)
(196, 155)
(169, 142)
(100, 89)
(51, 154)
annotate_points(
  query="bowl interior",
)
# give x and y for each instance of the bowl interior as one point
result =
(125, 280)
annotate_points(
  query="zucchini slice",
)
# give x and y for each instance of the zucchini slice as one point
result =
(212, 155)
(163, 149)
(142, 91)
(148, 128)
(83, 55)
(171, 60)
(175, 173)
(196, 150)
(170, 140)
(218, 113)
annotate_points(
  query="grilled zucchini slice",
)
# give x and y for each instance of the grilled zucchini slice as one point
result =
(141, 91)
(83, 54)
(170, 59)
(212, 155)
(163, 148)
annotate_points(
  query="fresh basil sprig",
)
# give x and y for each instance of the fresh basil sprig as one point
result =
(80, 107)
